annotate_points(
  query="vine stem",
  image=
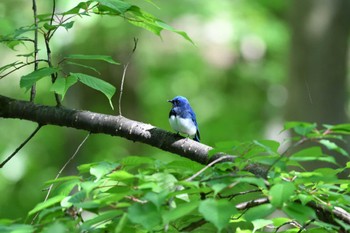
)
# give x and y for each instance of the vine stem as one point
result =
(61, 170)
(33, 88)
(26, 64)
(209, 165)
(123, 77)
(20, 147)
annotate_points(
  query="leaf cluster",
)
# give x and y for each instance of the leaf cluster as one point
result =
(47, 25)
(142, 194)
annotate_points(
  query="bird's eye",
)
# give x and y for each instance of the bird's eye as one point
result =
(177, 101)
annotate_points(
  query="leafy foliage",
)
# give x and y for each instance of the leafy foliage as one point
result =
(138, 194)
(48, 24)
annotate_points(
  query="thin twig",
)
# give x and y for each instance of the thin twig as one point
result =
(194, 225)
(17, 39)
(53, 11)
(252, 203)
(60, 172)
(231, 196)
(298, 143)
(306, 225)
(123, 77)
(47, 37)
(17, 68)
(20, 146)
(293, 223)
(54, 75)
(209, 165)
(33, 89)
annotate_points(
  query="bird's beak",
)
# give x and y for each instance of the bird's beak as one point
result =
(170, 101)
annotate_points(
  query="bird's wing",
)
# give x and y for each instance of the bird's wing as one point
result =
(193, 117)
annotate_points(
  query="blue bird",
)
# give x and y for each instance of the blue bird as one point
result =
(182, 118)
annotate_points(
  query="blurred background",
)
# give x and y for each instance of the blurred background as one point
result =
(254, 65)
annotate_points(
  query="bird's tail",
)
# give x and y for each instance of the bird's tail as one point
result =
(197, 136)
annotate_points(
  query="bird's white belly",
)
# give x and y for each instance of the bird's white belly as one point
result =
(183, 125)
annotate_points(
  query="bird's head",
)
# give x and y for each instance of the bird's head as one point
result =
(179, 101)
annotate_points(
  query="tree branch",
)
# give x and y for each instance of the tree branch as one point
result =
(106, 124)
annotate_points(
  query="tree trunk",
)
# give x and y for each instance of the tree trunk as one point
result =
(318, 61)
(317, 90)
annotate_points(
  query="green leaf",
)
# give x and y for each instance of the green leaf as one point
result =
(181, 210)
(152, 3)
(136, 160)
(17, 228)
(31, 54)
(16, 38)
(88, 185)
(332, 146)
(222, 147)
(270, 146)
(159, 182)
(61, 85)
(343, 224)
(68, 25)
(50, 27)
(105, 58)
(101, 218)
(12, 43)
(121, 224)
(259, 212)
(301, 128)
(304, 199)
(309, 152)
(322, 230)
(101, 169)
(185, 166)
(84, 66)
(89, 205)
(85, 168)
(339, 129)
(5, 67)
(56, 227)
(299, 212)
(78, 197)
(107, 89)
(115, 5)
(121, 175)
(280, 221)
(158, 199)
(319, 175)
(165, 26)
(260, 223)
(44, 17)
(43, 205)
(217, 212)
(281, 193)
(27, 81)
(252, 180)
(147, 21)
(76, 10)
(147, 215)
(136, 16)
(50, 213)
(312, 154)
